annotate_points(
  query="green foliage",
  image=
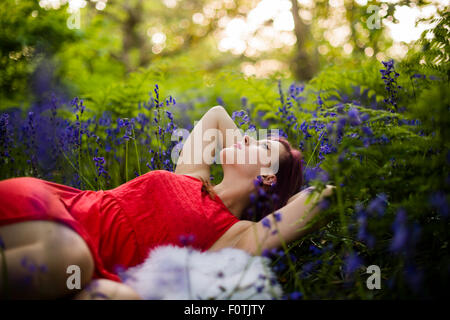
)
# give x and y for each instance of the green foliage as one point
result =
(434, 53)
(27, 34)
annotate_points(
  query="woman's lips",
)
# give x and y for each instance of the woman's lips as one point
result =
(238, 145)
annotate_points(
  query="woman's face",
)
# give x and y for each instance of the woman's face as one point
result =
(253, 157)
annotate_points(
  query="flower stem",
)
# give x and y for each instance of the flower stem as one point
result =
(137, 152)
(314, 149)
(340, 206)
(79, 146)
(126, 160)
(297, 280)
(79, 173)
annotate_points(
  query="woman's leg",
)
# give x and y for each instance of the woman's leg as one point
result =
(103, 289)
(36, 257)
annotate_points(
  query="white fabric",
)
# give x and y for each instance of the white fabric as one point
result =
(175, 273)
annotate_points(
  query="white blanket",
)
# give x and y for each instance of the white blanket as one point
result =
(175, 273)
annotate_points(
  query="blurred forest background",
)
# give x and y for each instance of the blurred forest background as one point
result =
(109, 51)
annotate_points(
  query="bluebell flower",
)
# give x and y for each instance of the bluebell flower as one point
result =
(414, 277)
(261, 192)
(378, 205)
(315, 250)
(384, 139)
(309, 267)
(279, 267)
(340, 125)
(419, 76)
(266, 253)
(258, 181)
(329, 128)
(186, 240)
(319, 101)
(169, 115)
(438, 200)
(323, 204)
(304, 129)
(367, 131)
(352, 262)
(244, 101)
(100, 165)
(391, 83)
(277, 216)
(296, 295)
(260, 288)
(266, 223)
(400, 239)
(353, 115)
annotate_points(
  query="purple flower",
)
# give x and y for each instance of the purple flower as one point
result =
(363, 235)
(400, 239)
(258, 181)
(128, 127)
(309, 267)
(340, 125)
(260, 288)
(186, 240)
(100, 165)
(391, 83)
(353, 115)
(277, 216)
(315, 250)
(304, 129)
(365, 117)
(266, 223)
(319, 101)
(367, 131)
(351, 263)
(323, 204)
(414, 277)
(316, 173)
(438, 200)
(296, 295)
(378, 205)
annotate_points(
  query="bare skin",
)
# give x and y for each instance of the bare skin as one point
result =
(50, 247)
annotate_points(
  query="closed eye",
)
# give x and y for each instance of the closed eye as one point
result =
(267, 145)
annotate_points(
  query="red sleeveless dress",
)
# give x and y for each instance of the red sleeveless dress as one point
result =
(122, 225)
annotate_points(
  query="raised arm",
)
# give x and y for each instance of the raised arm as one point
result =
(295, 215)
(215, 118)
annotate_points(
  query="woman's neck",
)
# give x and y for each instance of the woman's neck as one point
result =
(234, 194)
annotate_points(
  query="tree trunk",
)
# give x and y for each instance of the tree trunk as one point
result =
(303, 64)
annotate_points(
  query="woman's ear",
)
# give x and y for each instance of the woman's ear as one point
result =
(269, 179)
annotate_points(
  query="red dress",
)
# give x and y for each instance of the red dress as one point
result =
(123, 224)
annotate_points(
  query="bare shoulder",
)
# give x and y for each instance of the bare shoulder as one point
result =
(231, 237)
